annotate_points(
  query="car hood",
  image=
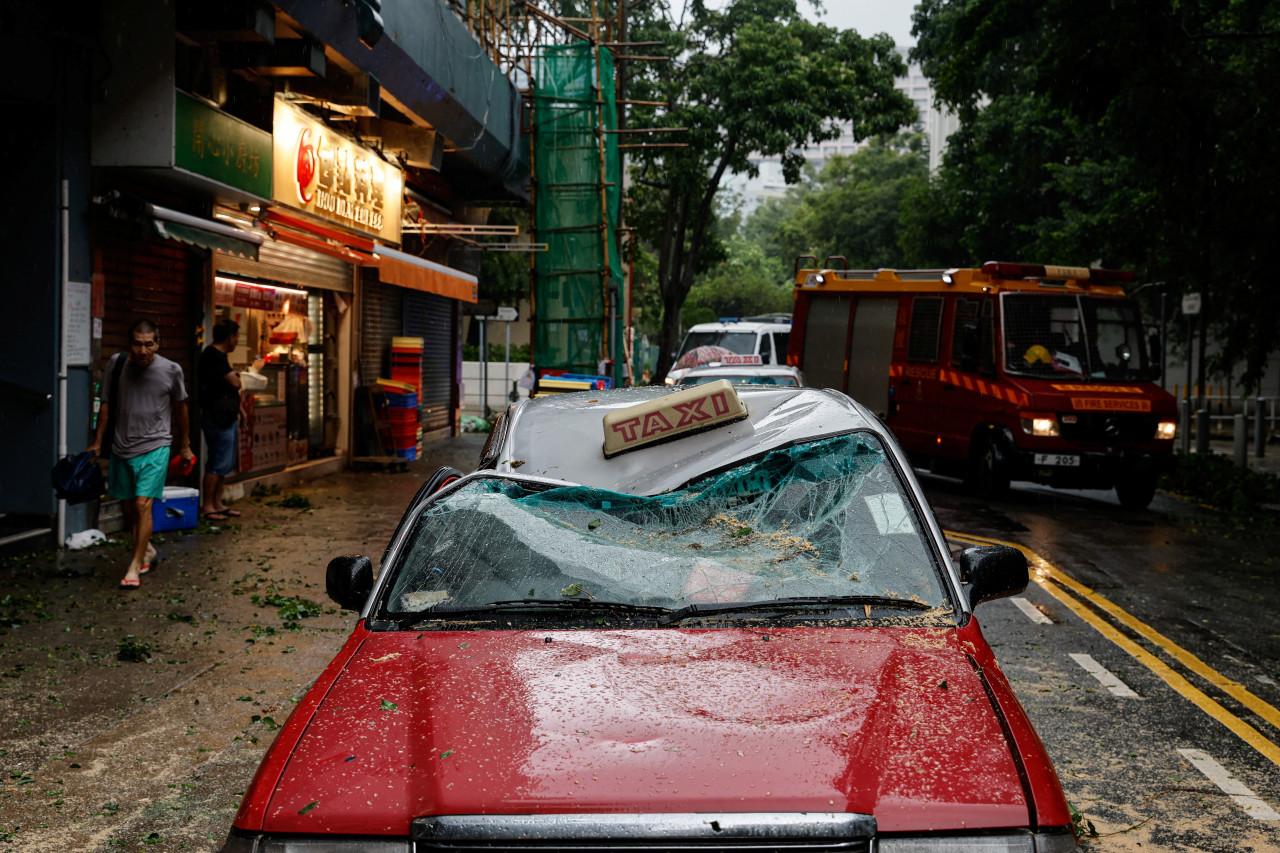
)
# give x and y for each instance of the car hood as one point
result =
(892, 722)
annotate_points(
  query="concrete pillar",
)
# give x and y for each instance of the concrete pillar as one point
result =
(1202, 430)
(1260, 427)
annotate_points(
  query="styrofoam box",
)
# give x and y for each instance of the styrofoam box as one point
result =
(179, 509)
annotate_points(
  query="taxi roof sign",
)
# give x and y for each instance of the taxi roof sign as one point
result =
(739, 359)
(672, 416)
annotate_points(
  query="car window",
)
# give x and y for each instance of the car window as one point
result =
(766, 348)
(746, 379)
(824, 518)
(743, 343)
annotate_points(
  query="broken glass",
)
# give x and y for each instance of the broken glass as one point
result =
(824, 518)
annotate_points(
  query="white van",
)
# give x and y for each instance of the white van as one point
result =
(767, 336)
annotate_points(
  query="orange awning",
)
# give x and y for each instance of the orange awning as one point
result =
(416, 273)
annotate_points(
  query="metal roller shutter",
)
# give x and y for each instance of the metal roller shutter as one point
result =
(382, 318)
(430, 317)
(157, 280)
(291, 265)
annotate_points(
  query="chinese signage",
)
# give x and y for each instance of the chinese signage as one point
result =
(242, 294)
(217, 146)
(328, 175)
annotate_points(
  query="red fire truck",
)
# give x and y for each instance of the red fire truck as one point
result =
(1011, 371)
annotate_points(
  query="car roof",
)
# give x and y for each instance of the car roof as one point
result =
(561, 436)
(741, 326)
(743, 370)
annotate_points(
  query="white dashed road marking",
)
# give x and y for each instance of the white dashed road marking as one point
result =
(1031, 612)
(1265, 680)
(1218, 775)
(1104, 675)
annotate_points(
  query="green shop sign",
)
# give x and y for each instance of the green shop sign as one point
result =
(215, 145)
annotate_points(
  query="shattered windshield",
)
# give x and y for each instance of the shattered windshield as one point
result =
(1077, 337)
(825, 519)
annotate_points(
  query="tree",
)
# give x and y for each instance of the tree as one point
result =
(852, 208)
(747, 282)
(1152, 147)
(751, 78)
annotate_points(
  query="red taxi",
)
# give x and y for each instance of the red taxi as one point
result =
(716, 618)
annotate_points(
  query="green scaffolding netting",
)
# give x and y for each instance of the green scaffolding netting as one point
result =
(572, 158)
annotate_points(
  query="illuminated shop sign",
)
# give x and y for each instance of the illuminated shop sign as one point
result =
(323, 173)
(260, 297)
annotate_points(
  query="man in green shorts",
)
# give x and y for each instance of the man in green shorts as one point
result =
(149, 408)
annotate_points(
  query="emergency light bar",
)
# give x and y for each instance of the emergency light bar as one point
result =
(1004, 269)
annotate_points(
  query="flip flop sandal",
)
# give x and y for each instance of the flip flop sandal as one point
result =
(229, 513)
(215, 516)
(130, 583)
(155, 561)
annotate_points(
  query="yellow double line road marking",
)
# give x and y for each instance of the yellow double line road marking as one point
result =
(1057, 583)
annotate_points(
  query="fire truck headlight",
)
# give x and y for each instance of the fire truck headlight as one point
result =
(1045, 425)
(1166, 429)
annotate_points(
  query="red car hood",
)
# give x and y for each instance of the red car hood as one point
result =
(892, 722)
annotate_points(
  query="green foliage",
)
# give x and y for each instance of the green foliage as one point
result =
(293, 500)
(851, 208)
(497, 352)
(746, 283)
(133, 650)
(752, 77)
(1146, 149)
(504, 276)
(1215, 480)
(292, 608)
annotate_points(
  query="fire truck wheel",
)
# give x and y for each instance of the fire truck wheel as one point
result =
(988, 477)
(1135, 491)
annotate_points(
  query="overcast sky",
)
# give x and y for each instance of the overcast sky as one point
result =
(868, 17)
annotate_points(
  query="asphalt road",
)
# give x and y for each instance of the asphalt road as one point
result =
(1176, 604)
(1147, 653)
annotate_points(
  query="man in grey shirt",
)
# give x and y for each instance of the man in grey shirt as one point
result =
(149, 407)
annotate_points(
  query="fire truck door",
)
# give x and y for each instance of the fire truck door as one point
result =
(870, 352)
(914, 413)
(825, 329)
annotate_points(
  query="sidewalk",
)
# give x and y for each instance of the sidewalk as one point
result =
(134, 719)
(1269, 463)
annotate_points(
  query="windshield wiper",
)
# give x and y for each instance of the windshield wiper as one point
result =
(828, 601)
(540, 604)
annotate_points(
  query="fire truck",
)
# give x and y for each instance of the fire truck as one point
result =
(1011, 371)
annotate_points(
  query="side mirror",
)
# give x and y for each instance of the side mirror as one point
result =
(993, 571)
(348, 580)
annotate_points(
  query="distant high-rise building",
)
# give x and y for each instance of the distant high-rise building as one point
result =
(936, 125)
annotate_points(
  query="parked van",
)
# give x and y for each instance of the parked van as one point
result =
(1011, 371)
(767, 336)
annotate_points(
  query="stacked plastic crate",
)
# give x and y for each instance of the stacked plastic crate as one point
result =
(402, 396)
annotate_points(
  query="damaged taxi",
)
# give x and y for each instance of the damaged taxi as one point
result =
(714, 618)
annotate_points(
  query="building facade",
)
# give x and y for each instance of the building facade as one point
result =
(294, 166)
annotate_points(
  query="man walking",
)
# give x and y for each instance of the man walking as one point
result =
(144, 401)
(219, 416)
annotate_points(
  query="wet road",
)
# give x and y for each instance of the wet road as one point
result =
(1147, 653)
(1173, 608)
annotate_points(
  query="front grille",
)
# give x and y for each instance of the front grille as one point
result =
(861, 845)
(703, 833)
(1109, 427)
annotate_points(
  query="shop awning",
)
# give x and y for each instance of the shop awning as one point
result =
(204, 233)
(418, 274)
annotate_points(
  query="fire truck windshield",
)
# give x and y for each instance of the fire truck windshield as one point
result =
(1070, 336)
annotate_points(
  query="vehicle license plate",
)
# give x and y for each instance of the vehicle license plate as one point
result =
(1063, 459)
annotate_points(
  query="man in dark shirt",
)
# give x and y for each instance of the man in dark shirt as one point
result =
(219, 416)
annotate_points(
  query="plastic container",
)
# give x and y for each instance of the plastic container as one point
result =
(179, 509)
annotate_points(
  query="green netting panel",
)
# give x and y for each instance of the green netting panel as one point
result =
(571, 279)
